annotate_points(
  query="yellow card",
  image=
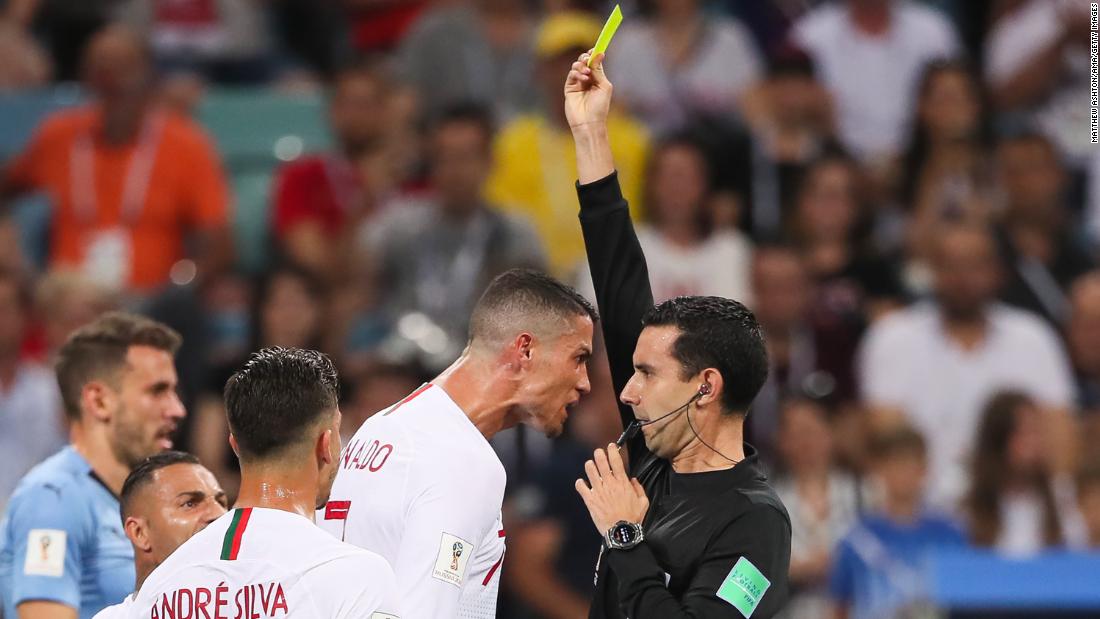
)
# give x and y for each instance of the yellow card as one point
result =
(608, 31)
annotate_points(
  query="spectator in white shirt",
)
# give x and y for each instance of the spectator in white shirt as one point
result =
(687, 253)
(870, 54)
(937, 363)
(1037, 65)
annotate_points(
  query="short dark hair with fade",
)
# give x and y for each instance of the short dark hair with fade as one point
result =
(278, 395)
(717, 333)
(142, 475)
(524, 299)
(98, 350)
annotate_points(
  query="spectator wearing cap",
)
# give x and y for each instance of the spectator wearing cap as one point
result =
(936, 363)
(870, 54)
(130, 183)
(677, 63)
(534, 160)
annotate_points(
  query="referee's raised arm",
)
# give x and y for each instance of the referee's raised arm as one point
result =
(615, 258)
(692, 529)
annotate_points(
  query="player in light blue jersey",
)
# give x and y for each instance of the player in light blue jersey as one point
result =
(63, 552)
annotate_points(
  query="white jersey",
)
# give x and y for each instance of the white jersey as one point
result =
(254, 563)
(420, 485)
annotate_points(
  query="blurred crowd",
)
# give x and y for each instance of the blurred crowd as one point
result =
(903, 191)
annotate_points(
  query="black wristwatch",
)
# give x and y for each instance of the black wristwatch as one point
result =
(624, 535)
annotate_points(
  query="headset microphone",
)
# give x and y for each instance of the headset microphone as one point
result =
(636, 425)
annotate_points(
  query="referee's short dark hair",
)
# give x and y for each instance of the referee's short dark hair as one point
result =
(717, 333)
(142, 475)
(276, 397)
(525, 300)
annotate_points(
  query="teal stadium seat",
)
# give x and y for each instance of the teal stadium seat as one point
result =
(256, 131)
(259, 128)
(20, 114)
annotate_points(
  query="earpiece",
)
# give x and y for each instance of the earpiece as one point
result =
(704, 389)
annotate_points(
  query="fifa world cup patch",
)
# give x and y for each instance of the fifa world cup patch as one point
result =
(454, 554)
(744, 587)
(45, 553)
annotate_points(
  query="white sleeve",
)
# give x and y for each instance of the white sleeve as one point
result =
(443, 525)
(881, 381)
(945, 38)
(1051, 380)
(355, 586)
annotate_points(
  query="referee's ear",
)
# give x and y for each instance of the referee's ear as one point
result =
(710, 387)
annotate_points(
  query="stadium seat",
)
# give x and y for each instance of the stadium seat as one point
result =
(20, 113)
(258, 128)
(251, 221)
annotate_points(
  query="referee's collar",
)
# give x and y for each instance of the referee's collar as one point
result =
(739, 475)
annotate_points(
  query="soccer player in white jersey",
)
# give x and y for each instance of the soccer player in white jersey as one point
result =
(165, 500)
(419, 483)
(266, 558)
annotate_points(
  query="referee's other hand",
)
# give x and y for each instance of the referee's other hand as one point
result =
(610, 494)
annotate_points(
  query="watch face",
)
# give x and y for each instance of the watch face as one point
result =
(624, 534)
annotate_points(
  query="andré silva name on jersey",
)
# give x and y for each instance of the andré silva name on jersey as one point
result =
(222, 602)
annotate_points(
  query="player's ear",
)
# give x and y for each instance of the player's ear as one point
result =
(98, 399)
(233, 445)
(523, 347)
(138, 533)
(324, 447)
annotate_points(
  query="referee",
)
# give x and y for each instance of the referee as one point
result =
(692, 528)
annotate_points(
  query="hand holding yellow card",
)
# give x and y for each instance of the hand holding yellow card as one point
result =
(608, 31)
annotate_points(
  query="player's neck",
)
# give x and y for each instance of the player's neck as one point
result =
(143, 570)
(290, 489)
(470, 384)
(724, 435)
(93, 446)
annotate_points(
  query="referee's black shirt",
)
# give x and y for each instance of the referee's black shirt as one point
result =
(710, 536)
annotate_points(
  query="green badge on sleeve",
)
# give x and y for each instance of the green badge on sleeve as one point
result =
(744, 587)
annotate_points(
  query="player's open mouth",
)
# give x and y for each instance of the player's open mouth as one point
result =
(164, 438)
